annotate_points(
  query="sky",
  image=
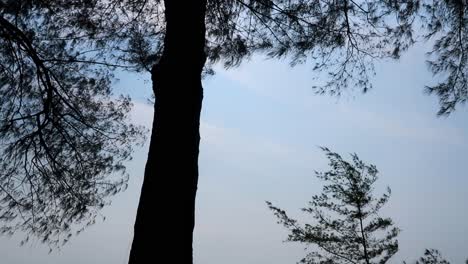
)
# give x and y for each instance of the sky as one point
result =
(261, 129)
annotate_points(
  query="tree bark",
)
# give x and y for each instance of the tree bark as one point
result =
(163, 230)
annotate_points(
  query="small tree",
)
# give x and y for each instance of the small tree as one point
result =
(347, 228)
(432, 256)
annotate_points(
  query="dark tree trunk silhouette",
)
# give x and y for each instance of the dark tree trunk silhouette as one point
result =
(166, 212)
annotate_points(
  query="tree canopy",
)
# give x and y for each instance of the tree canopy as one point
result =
(64, 136)
(345, 38)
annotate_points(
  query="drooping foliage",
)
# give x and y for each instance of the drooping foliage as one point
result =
(447, 23)
(342, 38)
(346, 227)
(63, 135)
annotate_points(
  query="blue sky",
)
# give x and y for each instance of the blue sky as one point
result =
(261, 128)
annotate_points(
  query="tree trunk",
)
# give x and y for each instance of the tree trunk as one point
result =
(363, 236)
(165, 220)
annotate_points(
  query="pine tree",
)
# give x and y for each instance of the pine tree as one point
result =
(432, 256)
(347, 227)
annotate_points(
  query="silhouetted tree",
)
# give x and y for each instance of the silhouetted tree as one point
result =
(343, 35)
(63, 137)
(347, 228)
(432, 256)
(177, 43)
(447, 22)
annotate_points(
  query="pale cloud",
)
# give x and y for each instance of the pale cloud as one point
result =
(410, 126)
(251, 148)
(378, 121)
(236, 145)
(268, 78)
